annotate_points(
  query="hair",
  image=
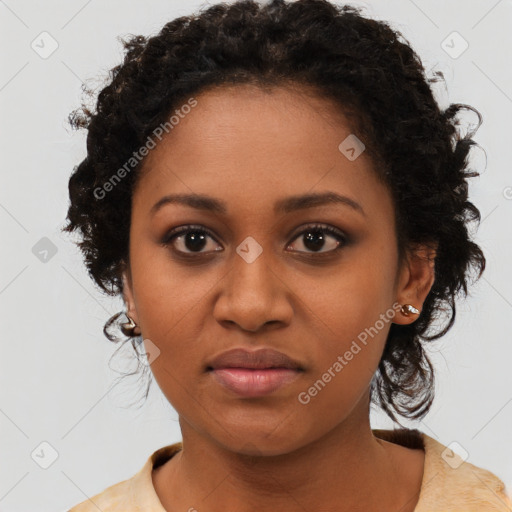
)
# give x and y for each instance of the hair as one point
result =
(369, 71)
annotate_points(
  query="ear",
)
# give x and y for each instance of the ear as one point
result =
(128, 295)
(415, 280)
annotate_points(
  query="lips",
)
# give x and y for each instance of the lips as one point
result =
(261, 359)
(253, 374)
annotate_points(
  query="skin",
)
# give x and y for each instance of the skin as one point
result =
(250, 148)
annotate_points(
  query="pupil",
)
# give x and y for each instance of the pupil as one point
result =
(195, 241)
(314, 240)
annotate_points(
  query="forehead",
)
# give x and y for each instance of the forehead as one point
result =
(252, 147)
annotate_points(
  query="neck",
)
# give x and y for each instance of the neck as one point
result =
(347, 469)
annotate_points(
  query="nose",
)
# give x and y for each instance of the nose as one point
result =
(253, 295)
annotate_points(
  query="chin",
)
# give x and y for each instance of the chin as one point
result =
(251, 441)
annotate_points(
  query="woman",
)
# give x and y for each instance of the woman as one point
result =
(284, 207)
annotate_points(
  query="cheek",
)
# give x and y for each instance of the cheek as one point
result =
(171, 310)
(344, 368)
(343, 305)
(168, 296)
(353, 315)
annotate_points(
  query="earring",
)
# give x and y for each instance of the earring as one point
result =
(129, 327)
(407, 309)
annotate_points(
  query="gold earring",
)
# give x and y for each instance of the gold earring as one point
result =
(129, 327)
(407, 309)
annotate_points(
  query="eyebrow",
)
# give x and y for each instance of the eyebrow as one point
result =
(286, 205)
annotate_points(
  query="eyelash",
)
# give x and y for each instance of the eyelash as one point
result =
(183, 230)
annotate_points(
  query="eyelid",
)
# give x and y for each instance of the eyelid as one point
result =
(321, 226)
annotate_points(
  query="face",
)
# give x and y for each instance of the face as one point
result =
(254, 274)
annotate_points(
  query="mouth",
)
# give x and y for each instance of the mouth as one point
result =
(253, 382)
(254, 374)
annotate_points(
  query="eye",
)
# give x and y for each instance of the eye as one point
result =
(314, 238)
(188, 238)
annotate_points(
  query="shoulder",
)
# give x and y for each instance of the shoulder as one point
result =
(134, 494)
(450, 481)
(113, 499)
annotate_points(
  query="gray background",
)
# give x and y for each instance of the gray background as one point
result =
(56, 384)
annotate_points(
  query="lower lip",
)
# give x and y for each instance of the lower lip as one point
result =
(253, 383)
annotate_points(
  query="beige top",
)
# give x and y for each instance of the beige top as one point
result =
(448, 484)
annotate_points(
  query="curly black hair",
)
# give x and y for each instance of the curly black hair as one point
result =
(370, 71)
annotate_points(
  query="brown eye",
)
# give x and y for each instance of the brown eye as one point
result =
(189, 239)
(317, 237)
